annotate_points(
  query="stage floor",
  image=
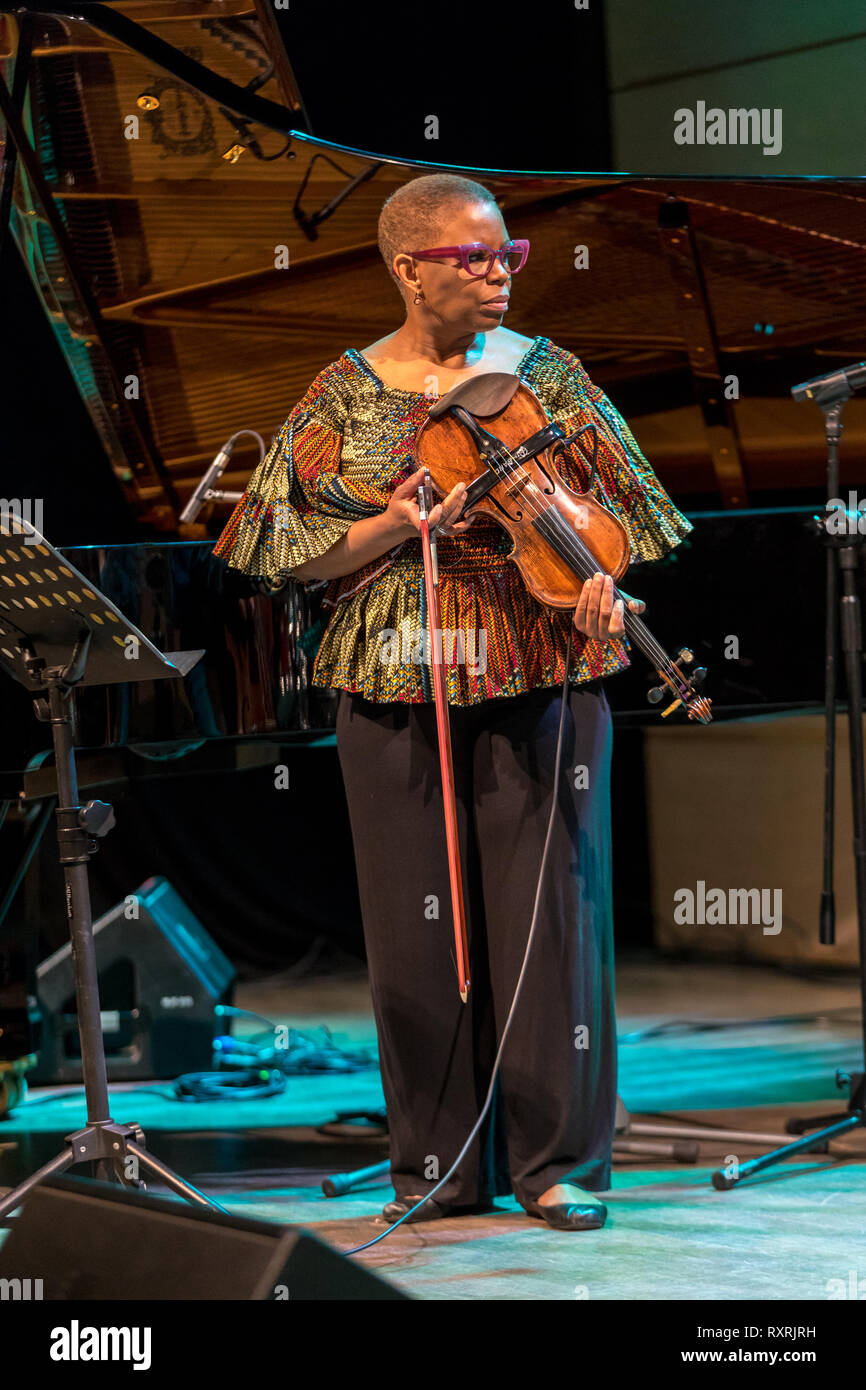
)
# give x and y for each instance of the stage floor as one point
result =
(787, 1233)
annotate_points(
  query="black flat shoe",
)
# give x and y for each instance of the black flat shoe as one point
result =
(570, 1216)
(431, 1210)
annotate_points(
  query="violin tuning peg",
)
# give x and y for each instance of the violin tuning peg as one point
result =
(655, 694)
(685, 656)
(675, 704)
(699, 675)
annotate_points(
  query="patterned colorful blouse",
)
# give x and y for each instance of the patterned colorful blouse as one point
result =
(344, 448)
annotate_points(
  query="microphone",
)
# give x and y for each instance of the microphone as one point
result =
(205, 484)
(834, 386)
(205, 491)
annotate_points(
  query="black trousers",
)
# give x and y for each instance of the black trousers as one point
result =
(553, 1118)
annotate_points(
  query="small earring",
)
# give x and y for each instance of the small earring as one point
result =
(418, 297)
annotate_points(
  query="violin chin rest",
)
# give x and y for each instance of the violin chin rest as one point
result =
(482, 395)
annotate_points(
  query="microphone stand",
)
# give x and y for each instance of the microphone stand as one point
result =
(842, 554)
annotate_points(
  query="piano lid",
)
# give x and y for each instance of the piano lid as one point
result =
(200, 266)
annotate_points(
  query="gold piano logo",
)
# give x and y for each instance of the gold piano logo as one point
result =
(178, 117)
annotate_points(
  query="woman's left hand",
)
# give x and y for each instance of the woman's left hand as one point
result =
(597, 615)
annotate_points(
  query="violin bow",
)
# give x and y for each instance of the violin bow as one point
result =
(443, 726)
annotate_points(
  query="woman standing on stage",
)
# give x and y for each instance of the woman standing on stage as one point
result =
(335, 500)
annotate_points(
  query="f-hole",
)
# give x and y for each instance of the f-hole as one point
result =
(518, 516)
(551, 486)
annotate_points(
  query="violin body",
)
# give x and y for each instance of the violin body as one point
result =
(443, 446)
(492, 434)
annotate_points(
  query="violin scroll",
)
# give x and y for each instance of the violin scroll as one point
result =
(684, 687)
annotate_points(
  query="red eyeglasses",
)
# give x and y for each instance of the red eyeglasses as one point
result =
(477, 259)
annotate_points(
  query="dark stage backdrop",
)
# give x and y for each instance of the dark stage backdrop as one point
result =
(265, 871)
(521, 87)
(268, 872)
(48, 439)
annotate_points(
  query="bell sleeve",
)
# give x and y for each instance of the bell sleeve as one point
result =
(625, 481)
(296, 505)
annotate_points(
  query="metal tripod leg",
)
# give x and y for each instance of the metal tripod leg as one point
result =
(681, 1132)
(109, 1143)
(56, 1165)
(707, 1134)
(724, 1181)
(172, 1180)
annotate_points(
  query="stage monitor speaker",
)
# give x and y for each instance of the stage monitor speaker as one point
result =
(77, 1239)
(160, 978)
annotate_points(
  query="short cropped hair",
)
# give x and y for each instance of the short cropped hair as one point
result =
(411, 218)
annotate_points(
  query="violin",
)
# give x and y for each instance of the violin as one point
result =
(491, 433)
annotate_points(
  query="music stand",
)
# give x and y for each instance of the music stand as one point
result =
(56, 632)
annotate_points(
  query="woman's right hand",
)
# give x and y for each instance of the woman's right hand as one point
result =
(406, 518)
(373, 536)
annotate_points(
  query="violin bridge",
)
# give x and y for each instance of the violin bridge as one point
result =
(520, 485)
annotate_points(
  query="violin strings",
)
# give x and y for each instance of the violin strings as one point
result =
(574, 551)
(570, 549)
(578, 554)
